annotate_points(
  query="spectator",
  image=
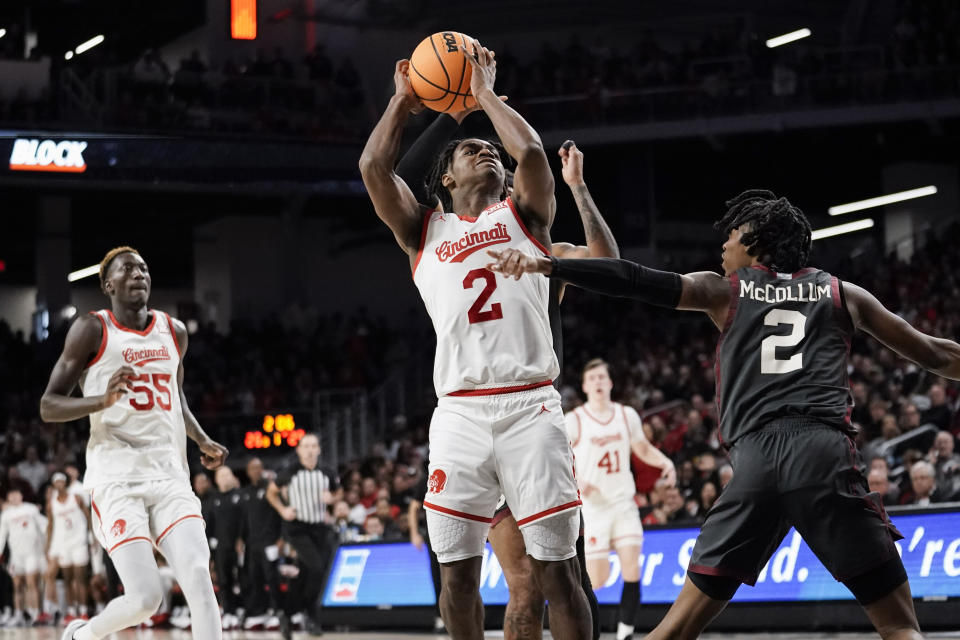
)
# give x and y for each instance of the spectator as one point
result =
(33, 470)
(945, 462)
(923, 484)
(939, 413)
(226, 515)
(909, 417)
(358, 513)
(346, 530)
(878, 481)
(708, 496)
(373, 529)
(879, 463)
(725, 474)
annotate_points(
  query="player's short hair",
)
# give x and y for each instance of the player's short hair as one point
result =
(779, 232)
(593, 364)
(434, 179)
(107, 259)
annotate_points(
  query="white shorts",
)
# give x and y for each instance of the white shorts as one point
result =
(610, 526)
(23, 564)
(128, 511)
(70, 553)
(512, 443)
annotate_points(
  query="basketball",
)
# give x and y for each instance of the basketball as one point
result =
(440, 74)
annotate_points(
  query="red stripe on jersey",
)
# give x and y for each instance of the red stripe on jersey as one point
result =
(516, 214)
(498, 390)
(103, 339)
(453, 512)
(117, 324)
(613, 414)
(173, 333)
(548, 512)
(423, 239)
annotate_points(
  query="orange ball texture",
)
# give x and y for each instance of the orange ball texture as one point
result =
(440, 74)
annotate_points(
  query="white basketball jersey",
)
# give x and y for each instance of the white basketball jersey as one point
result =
(602, 450)
(142, 435)
(23, 528)
(492, 332)
(69, 521)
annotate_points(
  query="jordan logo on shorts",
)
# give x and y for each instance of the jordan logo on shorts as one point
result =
(438, 479)
(543, 409)
(118, 528)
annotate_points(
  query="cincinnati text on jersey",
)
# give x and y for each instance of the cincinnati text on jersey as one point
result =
(602, 440)
(471, 242)
(140, 357)
(796, 292)
(47, 155)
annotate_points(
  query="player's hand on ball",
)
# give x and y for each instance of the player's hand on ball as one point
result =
(404, 89)
(572, 160)
(514, 263)
(484, 68)
(117, 385)
(460, 115)
(213, 454)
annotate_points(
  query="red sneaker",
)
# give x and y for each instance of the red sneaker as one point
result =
(43, 620)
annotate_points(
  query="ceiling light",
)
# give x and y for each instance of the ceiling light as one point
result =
(879, 201)
(849, 227)
(788, 37)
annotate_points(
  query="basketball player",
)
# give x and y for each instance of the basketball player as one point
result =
(128, 361)
(604, 433)
(523, 617)
(498, 424)
(784, 405)
(22, 527)
(67, 549)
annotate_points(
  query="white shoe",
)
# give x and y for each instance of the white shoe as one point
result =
(230, 621)
(272, 623)
(297, 620)
(182, 619)
(255, 622)
(72, 628)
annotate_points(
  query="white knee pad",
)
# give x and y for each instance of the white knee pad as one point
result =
(453, 539)
(554, 538)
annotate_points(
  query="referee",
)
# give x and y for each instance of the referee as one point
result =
(306, 489)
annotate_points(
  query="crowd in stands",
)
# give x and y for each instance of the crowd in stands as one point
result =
(727, 69)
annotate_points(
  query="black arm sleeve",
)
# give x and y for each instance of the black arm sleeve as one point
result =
(621, 278)
(415, 163)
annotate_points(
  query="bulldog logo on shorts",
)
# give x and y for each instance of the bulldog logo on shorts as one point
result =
(118, 528)
(438, 479)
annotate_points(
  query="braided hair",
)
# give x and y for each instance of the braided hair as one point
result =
(779, 233)
(434, 178)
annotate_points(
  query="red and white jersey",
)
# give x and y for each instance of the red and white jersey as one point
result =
(69, 520)
(141, 436)
(601, 445)
(24, 528)
(492, 332)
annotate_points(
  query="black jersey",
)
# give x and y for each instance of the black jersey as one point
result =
(783, 351)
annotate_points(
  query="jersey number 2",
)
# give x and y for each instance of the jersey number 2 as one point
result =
(769, 363)
(475, 314)
(159, 394)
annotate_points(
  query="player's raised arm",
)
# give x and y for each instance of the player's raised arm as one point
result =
(533, 180)
(701, 291)
(213, 453)
(937, 355)
(600, 240)
(392, 199)
(83, 340)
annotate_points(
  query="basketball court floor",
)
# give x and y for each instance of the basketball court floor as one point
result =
(54, 634)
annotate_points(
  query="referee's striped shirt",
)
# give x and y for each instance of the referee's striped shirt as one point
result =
(305, 489)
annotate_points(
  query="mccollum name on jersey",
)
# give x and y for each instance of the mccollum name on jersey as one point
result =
(795, 291)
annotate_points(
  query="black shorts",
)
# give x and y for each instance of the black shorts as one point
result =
(801, 473)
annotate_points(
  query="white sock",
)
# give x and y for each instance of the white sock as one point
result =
(186, 550)
(50, 606)
(82, 610)
(33, 613)
(84, 633)
(624, 630)
(142, 592)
